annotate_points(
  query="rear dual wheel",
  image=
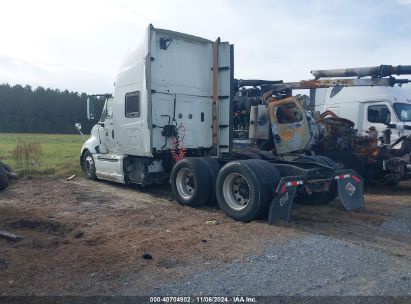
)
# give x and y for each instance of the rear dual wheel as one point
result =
(243, 188)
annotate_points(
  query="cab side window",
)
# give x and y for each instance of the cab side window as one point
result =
(288, 113)
(379, 114)
(133, 104)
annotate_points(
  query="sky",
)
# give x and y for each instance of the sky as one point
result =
(80, 44)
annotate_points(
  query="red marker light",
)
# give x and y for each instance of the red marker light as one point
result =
(356, 178)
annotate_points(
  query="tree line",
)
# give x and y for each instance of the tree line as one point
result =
(40, 110)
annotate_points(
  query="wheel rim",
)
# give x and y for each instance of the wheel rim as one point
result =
(185, 183)
(236, 191)
(89, 165)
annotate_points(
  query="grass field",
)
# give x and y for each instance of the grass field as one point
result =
(60, 155)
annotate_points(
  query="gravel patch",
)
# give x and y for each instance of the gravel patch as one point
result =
(400, 223)
(312, 265)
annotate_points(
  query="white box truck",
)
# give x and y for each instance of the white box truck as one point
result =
(379, 107)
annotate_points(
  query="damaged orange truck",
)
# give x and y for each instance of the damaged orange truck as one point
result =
(360, 127)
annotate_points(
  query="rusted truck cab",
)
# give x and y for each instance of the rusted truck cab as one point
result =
(291, 125)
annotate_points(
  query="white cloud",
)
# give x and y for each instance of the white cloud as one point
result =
(80, 44)
(81, 79)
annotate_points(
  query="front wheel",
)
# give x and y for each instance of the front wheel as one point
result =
(88, 166)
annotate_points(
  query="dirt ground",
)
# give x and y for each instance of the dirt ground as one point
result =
(87, 238)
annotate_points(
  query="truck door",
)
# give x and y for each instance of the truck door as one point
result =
(379, 115)
(106, 130)
(289, 125)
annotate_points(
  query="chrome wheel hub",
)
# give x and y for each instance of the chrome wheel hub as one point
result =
(89, 165)
(185, 183)
(236, 191)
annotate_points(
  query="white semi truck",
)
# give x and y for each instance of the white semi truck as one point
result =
(170, 118)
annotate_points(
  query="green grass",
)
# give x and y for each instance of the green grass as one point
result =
(60, 152)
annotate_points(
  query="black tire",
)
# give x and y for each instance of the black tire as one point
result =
(318, 198)
(191, 182)
(273, 178)
(213, 167)
(243, 189)
(4, 181)
(88, 165)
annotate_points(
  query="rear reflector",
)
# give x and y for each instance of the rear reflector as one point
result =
(356, 179)
(290, 184)
(342, 176)
(294, 183)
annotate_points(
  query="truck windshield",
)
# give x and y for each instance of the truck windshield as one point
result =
(403, 111)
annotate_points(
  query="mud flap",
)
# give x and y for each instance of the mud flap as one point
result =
(350, 189)
(280, 207)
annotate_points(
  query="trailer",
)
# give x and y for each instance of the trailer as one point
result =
(170, 118)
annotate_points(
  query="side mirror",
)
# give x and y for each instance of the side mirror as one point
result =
(400, 126)
(90, 109)
(78, 127)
